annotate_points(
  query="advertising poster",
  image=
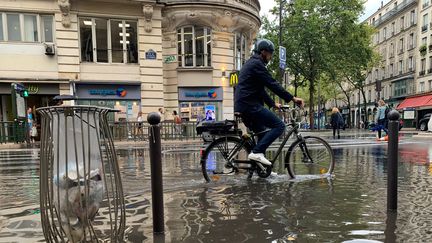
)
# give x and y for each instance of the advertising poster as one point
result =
(210, 111)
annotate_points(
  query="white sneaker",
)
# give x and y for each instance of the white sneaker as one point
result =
(259, 158)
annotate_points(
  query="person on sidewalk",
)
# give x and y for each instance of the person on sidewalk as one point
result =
(336, 121)
(381, 118)
(177, 123)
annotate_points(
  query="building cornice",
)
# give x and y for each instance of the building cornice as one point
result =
(219, 18)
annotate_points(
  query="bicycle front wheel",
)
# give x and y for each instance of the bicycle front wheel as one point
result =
(219, 159)
(310, 156)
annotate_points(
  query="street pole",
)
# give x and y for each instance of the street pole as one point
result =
(319, 106)
(281, 71)
(156, 173)
(392, 160)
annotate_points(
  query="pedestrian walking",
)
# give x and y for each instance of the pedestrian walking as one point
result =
(177, 122)
(336, 121)
(29, 122)
(140, 123)
(161, 114)
(381, 118)
(33, 133)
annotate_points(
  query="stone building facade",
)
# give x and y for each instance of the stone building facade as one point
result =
(396, 40)
(132, 55)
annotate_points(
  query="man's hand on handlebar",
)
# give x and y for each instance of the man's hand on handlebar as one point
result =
(298, 101)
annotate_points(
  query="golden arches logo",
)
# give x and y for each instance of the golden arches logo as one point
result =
(234, 78)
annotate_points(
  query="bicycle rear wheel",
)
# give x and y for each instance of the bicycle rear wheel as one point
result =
(311, 156)
(217, 160)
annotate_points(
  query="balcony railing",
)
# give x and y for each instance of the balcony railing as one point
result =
(424, 28)
(421, 73)
(399, 8)
(430, 70)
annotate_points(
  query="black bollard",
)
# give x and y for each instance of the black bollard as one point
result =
(156, 173)
(392, 160)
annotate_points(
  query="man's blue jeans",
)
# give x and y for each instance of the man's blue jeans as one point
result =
(259, 121)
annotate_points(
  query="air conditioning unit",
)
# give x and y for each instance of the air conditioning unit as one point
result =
(49, 49)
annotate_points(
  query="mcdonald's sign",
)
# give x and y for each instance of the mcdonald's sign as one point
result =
(234, 78)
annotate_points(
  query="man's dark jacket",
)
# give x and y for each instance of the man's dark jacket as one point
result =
(250, 94)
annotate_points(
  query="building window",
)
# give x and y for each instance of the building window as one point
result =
(425, 3)
(401, 45)
(240, 50)
(385, 33)
(412, 17)
(411, 41)
(47, 28)
(402, 23)
(400, 67)
(16, 27)
(425, 22)
(391, 70)
(194, 46)
(369, 95)
(1, 28)
(430, 64)
(422, 87)
(400, 88)
(393, 28)
(108, 41)
(424, 40)
(410, 63)
(423, 64)
(13, 27)
(430, 85)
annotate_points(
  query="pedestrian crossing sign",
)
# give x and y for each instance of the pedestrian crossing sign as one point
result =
(234, 78)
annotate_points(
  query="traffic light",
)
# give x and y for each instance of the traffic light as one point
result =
(25, 93)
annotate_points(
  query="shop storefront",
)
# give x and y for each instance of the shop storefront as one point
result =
(201, 103)
(125, 98)
(414, 108)
(40, 95)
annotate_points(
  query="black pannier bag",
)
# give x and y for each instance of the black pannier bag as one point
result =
(217, 127)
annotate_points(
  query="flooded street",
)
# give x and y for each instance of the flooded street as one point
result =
(351, 207)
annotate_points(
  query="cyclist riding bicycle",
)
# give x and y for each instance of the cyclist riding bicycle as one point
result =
(250, 96)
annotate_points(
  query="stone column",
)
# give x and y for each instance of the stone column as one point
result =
(150, 38)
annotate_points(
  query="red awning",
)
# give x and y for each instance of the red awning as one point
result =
(415, 102)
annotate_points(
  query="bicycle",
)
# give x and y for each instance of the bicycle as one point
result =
(228, 155)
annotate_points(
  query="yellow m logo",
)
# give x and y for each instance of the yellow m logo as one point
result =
(234, 79)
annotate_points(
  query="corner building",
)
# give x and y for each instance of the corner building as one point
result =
(395, 40)
(132, 55)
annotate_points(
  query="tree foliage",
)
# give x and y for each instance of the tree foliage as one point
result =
(325, 43)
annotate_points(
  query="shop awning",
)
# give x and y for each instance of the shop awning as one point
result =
(415, 102)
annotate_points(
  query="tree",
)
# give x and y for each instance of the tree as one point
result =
(314, 35)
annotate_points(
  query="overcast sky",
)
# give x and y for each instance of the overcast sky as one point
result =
(370, 7)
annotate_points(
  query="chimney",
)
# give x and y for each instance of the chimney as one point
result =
(382, 4)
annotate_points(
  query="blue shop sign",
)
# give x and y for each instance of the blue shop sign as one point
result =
(205, 94)
(108, 91)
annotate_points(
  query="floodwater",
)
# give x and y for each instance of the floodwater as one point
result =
(350, 207)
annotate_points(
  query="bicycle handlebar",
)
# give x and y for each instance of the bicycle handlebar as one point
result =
(286, 108)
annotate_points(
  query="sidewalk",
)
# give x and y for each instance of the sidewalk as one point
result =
(325, 133)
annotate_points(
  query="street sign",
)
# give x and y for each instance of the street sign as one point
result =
(282, 57)
(282, 66)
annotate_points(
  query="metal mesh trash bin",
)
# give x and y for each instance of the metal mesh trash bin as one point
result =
(81, 195)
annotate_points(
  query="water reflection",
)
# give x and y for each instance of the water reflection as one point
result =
(349, 208)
